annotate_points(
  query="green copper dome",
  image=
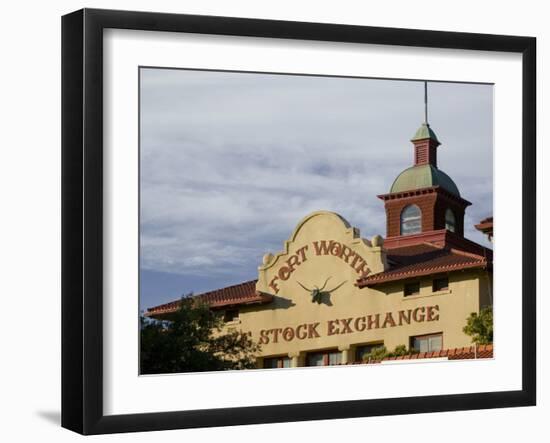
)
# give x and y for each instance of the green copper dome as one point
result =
(423, 176)
(425, 132)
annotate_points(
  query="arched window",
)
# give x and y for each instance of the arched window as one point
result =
(411, 220)
(450, 221)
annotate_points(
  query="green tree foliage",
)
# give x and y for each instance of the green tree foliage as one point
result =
(193, 340)
(401, 350)
(381, 352)
(378, 353)
(480, 326)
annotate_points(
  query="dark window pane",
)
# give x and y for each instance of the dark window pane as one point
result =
(324, 358)
(450, 221)
(427, 343)
(276, 362)
(270, 363)
(335, 358)
(440, 284)
(316, 359)
(412, 288)
(411, 220)
(421, 344)
(231, 315)
(435, 343)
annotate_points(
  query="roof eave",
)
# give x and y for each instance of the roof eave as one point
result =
(373, 280)
(422, 191)
(259, 299)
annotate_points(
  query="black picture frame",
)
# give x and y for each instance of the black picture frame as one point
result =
(82, 218)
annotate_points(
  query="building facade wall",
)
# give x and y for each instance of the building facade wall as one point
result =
(438, 312)
(326, 253)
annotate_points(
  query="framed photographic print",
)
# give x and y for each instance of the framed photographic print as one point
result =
(268, 221)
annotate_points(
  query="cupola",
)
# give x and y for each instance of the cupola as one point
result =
(423, 199)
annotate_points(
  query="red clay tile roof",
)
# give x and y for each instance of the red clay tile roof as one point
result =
(242, 293)
(405, 262)
(485, 226)
(424, 259)
(467, 353)
(440, 237)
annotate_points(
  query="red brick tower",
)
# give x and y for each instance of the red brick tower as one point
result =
(424, 203)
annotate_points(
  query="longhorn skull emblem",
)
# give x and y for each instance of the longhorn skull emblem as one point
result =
(318, 293)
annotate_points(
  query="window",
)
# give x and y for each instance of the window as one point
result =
(412, 288)
(231, 315)
(411, 220)
(450, 222)
(324, 358)
(440, 284)
(427, 343)
(362, 350)
(277, 362)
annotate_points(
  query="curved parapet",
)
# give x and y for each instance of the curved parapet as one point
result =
(323, 246)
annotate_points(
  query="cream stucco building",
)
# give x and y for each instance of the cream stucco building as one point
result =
(330, 296)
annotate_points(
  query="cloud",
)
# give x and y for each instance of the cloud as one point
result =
(230, 162)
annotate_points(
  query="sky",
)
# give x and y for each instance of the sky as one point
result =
(231, 162)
